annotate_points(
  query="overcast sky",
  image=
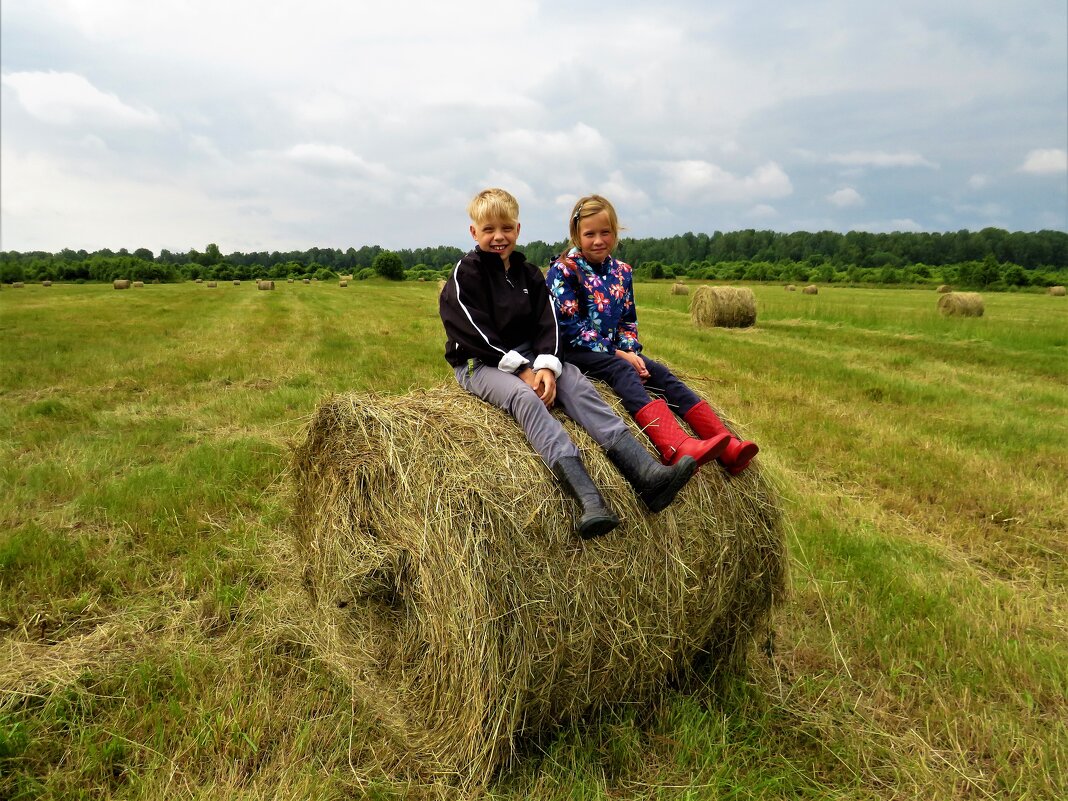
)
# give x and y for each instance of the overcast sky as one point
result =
(263, 125)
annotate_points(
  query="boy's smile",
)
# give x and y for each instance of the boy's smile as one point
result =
(496, 236)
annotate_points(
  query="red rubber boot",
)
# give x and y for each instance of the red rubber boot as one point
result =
(672, 443)
(706, 423)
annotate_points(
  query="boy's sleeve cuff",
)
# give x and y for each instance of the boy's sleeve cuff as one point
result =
(511, 361)
(548, 361)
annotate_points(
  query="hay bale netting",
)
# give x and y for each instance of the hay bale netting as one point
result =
(447, 587)
(1057, 290)
(680, 289)
(961, 304)
(791, 288)
(121, 283)
(265, 284)
(943, 289)
(723, 306)
(811, 289)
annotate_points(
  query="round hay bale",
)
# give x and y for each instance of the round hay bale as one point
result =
(447, 587)
(441, 285)
(265, 284)
(121, 283)
(680, 289)
(811, 289)
(237, 282)
(18, 285)
(138, 284)
(289, 280)
(791, 288)
(342, 283)
(199, 281)
(944, 288)
(46, 283)
(723, 306)
(307, 280)
(1057, 290)
(212, 284)
(961, 304)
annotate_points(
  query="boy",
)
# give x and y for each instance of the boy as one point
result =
(503, 344)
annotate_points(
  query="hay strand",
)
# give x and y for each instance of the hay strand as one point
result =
(447, 587)
(1057, 291)
(961, 304)
(723, 307)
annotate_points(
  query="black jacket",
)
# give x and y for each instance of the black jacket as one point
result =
(488, 313)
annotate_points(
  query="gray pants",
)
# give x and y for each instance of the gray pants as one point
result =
(575, 395)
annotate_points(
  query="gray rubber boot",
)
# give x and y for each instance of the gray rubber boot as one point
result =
(596, 518)
(656, 484)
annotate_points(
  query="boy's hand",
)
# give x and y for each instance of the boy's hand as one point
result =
(636, 362)
(542, 382)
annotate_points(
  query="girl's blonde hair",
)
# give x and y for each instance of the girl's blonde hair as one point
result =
(493, 204)
(587, 207)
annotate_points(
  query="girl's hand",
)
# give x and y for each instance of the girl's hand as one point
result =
(636, 362)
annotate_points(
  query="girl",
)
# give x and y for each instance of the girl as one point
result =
(594, 300)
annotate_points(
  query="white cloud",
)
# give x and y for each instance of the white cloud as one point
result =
(1045, 162)
(65, 98)
(879, 158)
(978, 181)
(697, 181)
(762, 211)
(317, 154)
(845, 197)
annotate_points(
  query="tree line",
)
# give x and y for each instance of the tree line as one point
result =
(990, 257)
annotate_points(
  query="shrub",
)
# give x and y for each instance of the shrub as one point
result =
(389, 265)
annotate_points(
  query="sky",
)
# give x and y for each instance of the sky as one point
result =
(260, 125)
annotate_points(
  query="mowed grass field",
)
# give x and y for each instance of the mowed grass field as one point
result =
(151, 638)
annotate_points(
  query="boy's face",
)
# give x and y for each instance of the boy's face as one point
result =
(496, 236)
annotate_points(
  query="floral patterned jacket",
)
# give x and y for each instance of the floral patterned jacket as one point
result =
(594, 305)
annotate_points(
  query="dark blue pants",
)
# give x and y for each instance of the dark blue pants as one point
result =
(619, 375)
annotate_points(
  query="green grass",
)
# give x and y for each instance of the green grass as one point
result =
(148, 591)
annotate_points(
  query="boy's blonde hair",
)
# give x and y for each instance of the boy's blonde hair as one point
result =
(587, 207)
(493, 204)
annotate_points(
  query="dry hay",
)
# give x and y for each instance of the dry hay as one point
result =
(237, 282)
(212, 284)
(138, 284)
(289, 280)
(448, 588)
(811, 289)
(121, 283)
(342, 283)
(46, 283)
(1057, 290)
(680, 289)
(265, 284)
(441, 285)
(944, 288)
(791, 288)
(18, 285)
(961, 304)
(723, 306)
(307, 280)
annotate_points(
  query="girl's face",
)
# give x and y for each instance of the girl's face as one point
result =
(596, 237)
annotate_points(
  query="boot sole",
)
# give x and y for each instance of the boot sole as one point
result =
(598, 526)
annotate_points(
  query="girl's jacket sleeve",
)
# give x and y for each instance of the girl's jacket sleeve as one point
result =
(627, 332)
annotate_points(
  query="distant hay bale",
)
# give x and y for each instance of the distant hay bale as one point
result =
(944, 288)
(961, 304)
(307, 280)
(723, 306)
(18, 285)
(237, 282)
(680, 289)
(46, 283)
(1057, 290)
(447, 587)
(791, 288)
(289, 280)
(121, 283)
(212, 284)
(265, 284)
(343, 283)
(199, 280)
(138, 284)
(811, 289)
